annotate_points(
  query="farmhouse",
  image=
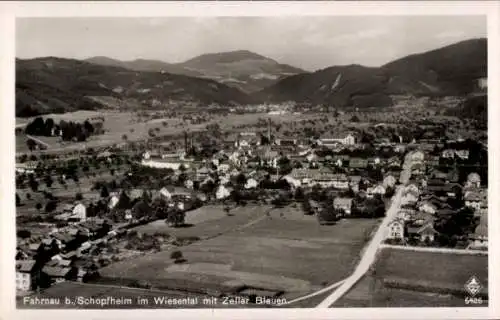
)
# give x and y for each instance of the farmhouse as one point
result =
(358, 163)
(473, 200)
(424, 233)
(344, 204)
(27, 276)
(479, 239)
(473, 180)
(57, 274)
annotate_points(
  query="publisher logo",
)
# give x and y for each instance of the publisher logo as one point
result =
(473, 286)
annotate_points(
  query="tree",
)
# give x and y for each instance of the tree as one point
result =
(51, 206)
(24, 234)
(78, 196)
(48, 181)
(31, 144)
(123, 201)
(124, 137)
(33, 185)
(177, 256)
(285, 165)
(299, 194)
(241, 180)
(18, 200)
(104, 192)
(38, 206)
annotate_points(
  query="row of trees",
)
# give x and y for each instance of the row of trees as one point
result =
(69, 131)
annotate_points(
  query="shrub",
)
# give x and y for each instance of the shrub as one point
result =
(176, 255)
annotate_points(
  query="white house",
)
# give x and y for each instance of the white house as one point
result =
(377, 190)
(222, 192)
(80, 212)
(26, 276)
(113, 201)
(251, 184)
(396, 229)
(189, 184)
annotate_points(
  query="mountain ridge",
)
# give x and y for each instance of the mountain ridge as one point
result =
(449, 70)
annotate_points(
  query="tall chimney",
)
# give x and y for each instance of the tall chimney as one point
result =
(186, 142)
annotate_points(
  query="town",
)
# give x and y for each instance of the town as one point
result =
(281, 169)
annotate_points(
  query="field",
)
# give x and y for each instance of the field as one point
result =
(418, 279)
(282, 251)
(208, 222)
(368, 293)
(117, 124)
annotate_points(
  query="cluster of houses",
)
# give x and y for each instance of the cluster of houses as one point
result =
(62, 254)
(246, 156)
(426, 200)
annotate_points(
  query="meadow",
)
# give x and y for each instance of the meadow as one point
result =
(403, 278)
(280, 251)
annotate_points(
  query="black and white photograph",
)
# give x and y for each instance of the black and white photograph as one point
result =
(236, 162)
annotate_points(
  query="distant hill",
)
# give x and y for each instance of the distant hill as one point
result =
(46, 85)
(144, 65)
(452, 70)
(242, 69)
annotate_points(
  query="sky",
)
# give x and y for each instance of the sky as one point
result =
(310, 43)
